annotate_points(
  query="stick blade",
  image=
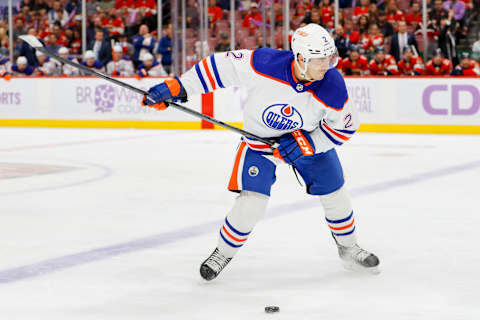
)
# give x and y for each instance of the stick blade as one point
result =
(31, 40)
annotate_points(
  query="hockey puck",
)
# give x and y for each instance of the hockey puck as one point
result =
(272, 309)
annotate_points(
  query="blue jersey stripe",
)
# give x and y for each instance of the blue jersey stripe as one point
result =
(200, 76)
(235, 230)
(341, 220)
(330, 137)
(215, 71)
(346, 131)
(228, 242)
(344, 234)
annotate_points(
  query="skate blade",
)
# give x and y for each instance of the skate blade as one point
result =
(351, 266)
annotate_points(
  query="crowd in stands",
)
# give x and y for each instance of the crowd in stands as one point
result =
(373, 37)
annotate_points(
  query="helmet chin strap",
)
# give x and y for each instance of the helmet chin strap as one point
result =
(303, 72)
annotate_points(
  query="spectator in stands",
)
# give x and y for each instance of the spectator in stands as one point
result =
(362, 9)
(27, 51)
(121, 65)
(150, 67)
(341, 42)
(123, 5)
(53, 13)
(393, 14)
(52, 44)
(353, 36)
(458, 8)
(467, 67)
(66, 69)
(438, 65)
(363, 25)
(446, 41)
(19, 28)
(356, 64)
(3, 41)
(400, 40)
(386, 28)
(383, 64)
(214, 13)
(60, 34)
(101, 48)
(75, 43)
(44, 67)
(411, 64)
(165, 49)
(127, 47)
(438, 13)
(224, 44)
(373, 13)
(373, 39)
(143, 43)
(326, 12)
(252, 17)
(114, 23)
(90, 61)
(21, 68)
(414, 17)
(39, 5)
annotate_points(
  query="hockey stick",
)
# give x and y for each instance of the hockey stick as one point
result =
(34, 43)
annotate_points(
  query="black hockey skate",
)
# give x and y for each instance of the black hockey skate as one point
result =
(214, 264)
(358, 259)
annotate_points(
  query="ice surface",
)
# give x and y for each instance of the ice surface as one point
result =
(119, 232)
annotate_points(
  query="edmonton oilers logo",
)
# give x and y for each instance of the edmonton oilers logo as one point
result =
(282, 117)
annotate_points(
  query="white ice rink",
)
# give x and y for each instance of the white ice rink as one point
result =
(113, 224)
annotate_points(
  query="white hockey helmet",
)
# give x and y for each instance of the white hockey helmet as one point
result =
(314, 42)
(88, 55)
(63, 50)
(22, 60)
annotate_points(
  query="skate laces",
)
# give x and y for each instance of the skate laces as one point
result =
(217, 261)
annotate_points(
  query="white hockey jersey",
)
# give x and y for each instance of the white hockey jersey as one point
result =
(124, 66)
(66, 69)
(277, 102)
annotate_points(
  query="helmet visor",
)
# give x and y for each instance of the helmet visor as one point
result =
(324, 63)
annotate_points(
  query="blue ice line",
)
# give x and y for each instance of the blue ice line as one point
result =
(68, 261)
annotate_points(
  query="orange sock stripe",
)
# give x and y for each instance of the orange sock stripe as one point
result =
(232, 237)
(209, 75)
(342, 228)
(233, 184)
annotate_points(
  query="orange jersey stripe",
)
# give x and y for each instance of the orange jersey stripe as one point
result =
(342, 228)
(209, 75)
(233, 184)
(228, 234)
(335, 133)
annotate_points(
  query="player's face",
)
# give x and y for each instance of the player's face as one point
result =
(42, 59)
(90, 62)
(22, 67)
(317, 67)
(354, 55)
(64, 55)
(148, 63)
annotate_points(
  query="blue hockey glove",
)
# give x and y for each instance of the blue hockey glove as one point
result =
(294, 146)
(159, 94)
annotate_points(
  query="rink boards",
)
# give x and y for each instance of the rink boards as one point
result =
(401, 104)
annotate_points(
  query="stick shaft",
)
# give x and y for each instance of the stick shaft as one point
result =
(143, 92)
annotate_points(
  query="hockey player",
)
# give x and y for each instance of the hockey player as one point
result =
(467, 67)
(89, 61)
(438, 66)
(411, 64)
(150, 67)
(298, 99)
(356, 64)
(65, 69)
(45, 67)
(22, 68)
(5, 68)
(120, 65)
(383, 64)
